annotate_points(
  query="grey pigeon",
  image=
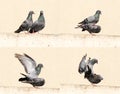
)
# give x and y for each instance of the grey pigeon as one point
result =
(92, 19)
(39, 24)
(82, 65)
(91, 28)
(31, 69)
(26, 25)
(92, 78)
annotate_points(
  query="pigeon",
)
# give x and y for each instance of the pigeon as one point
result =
(86, 67)
(38, 24)
(91, 28)
(92, 77)
(92, 19)
(82, 65)
(26, 25)
(31, 69)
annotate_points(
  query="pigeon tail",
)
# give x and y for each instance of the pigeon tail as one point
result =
(23, 79)
(18, 30)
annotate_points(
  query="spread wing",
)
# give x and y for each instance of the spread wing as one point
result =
(28, 63)
(82, 65)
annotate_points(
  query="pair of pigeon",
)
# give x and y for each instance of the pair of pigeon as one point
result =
(31, 69)
(31, 27)
(87, 68)
(89, 23)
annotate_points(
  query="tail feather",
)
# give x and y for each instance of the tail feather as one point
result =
(23, 79)
(18, 30)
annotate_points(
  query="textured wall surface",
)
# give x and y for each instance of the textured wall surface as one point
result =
(58, 40)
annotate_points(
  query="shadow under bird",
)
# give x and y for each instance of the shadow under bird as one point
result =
(26, 25)
(39, 24)
(87, 68)
(92, 19)
(31, 69)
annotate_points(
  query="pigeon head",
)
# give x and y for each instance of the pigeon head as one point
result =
(40, 65)
(98, 12)
(41, 12)
(38, 68)
(93, 61)
(31, 12)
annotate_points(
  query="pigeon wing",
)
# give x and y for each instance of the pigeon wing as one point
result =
(82, 65)
(24, 25)
(36, 26)
(91, 19)
(28, 63)
(91, 63)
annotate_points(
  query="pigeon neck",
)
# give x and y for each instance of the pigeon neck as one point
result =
(29, 16)
(97, 15)
(38, 70)
(41, 18)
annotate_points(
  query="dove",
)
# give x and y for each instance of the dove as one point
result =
(83, 64)
(86, 67)
(31, 69)
(92, 77)
(92, 19)
(39, 24)
(26, 25)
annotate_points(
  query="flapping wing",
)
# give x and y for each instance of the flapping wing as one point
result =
(28, 63)
(91, 63)
(82, 65)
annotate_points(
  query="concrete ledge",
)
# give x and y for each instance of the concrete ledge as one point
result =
(89, 89)
(28, 90)
(65, 89)
(58, 40)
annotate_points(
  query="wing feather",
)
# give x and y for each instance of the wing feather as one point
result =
(28, 63)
